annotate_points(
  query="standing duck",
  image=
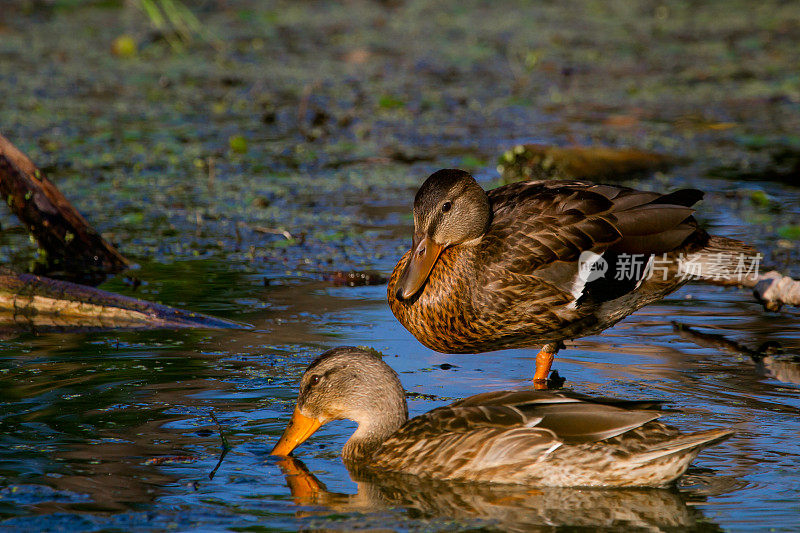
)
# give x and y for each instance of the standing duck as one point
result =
(540, 262)
(524, 437)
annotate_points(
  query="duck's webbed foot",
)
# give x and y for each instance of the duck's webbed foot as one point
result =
(544, 360)
(555, 381)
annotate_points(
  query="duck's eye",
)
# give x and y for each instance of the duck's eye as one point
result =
(313, 381)
(446, 207)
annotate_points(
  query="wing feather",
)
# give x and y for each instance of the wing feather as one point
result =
(540, 229)
(501, 429)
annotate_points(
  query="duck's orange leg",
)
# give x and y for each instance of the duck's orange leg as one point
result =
(544, 360)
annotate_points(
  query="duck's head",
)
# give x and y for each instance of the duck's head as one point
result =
(346, 383)
(449, 209)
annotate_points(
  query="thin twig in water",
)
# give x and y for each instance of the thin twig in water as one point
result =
(225, 446)
(273, 231)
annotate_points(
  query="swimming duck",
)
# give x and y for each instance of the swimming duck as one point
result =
(525, 437)
(540, 262)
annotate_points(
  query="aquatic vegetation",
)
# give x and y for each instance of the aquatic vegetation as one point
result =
(238, 144)
(176, 22)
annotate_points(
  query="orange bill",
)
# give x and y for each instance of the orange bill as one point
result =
(299, 429)
(423, 256)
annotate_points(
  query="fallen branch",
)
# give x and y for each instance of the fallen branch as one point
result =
(70, 242)
(773, 289)
(37, 302)
(598, 163)
(272, 231)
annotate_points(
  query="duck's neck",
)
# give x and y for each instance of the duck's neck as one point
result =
(374, 427)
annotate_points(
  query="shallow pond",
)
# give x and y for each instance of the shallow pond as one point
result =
(113, 431)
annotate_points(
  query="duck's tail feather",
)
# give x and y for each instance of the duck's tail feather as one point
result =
(722, 261)
(688, 445)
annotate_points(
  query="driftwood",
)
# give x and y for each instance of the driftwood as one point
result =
(774, 290)
(70, 243)
(596, 163)
(38, 303)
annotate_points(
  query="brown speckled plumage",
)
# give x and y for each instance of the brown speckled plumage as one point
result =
(521, 437)
(517, 284)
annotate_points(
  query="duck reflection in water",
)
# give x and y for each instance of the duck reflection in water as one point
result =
(505, 507)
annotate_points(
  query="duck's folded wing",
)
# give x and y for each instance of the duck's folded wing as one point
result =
(535, 224)
(465, 440)
(529, 396)
(465, 443)
(553, 220)
(540, 229)
(515, 397)
(571, 417)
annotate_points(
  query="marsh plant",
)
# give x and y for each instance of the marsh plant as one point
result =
(175, 22)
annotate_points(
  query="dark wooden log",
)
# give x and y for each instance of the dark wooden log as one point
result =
(70, 243)
(36, 303)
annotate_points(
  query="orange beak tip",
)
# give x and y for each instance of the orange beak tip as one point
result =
(280, 453)
(298, 430)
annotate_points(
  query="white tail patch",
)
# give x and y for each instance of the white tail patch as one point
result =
(591, 266)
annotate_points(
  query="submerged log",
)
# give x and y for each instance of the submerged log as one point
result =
(70, 242)
(596, 163)
(30, 301)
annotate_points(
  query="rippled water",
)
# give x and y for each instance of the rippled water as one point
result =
(114, 430)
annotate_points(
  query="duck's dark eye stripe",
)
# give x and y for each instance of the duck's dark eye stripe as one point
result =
(446, 207)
